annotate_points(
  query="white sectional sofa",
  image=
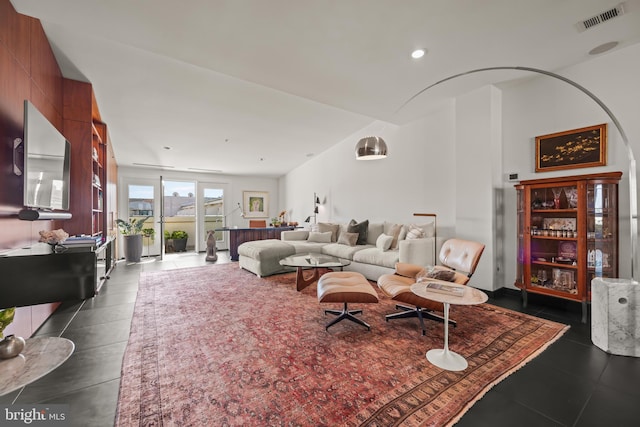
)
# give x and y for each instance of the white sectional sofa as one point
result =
(416, 244)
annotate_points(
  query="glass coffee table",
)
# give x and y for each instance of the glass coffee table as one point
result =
(314, 262)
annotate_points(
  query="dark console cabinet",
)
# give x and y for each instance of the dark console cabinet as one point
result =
(38, 276)
(238, 236)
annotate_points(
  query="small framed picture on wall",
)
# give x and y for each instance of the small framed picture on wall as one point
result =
(256, 204)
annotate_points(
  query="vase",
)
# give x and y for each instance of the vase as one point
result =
(11, 346)
(133, 247)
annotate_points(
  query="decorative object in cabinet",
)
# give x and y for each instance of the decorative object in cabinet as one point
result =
(567, 235)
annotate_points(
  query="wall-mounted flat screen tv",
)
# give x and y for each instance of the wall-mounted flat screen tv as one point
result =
(46, 162)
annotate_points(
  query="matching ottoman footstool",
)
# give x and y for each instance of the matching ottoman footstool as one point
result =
(262, 257)
(345, 287)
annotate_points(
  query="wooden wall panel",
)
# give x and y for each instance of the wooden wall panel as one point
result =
(79, 135)
(15, 34)
(49, 110)
(77, 101)
(45, 72)
(14, 89)
(16, 85)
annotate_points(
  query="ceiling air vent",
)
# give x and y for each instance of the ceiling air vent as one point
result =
(601, 17)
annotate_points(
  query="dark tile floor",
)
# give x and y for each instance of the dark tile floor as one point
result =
(572, 383)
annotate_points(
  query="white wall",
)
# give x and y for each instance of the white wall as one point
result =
(477, 156)
(416, 177)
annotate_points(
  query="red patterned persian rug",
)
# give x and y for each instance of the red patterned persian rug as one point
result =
(218, 346)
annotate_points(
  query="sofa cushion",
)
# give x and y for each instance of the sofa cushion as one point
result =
(319, 237)
(269, 248)
(297, 235)
(348, 239)
(344, 251)
(333, 228)
(362, 228)
(376, 257)
(374, 230)
(383, 242)
(306, 247)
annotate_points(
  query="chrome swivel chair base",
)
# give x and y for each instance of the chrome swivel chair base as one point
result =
(418, 312)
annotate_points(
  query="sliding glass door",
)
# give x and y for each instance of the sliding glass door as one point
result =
(211, 213)
(177, 207)
(142, 202)
(179, 216)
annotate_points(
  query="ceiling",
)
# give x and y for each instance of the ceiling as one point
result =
(256, 87)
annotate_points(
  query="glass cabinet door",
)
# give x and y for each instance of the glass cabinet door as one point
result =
(521, 233)
(602, 223)
(554, 238)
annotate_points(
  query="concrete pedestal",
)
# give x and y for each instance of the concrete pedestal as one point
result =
(615, 316)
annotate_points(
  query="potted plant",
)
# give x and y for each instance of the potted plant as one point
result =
(132, 232)
(179, 238)
(6, 317)
(148, 233)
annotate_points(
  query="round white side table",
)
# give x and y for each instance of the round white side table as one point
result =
(40, 356)
(445, 358)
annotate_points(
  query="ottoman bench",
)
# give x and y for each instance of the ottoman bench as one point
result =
(262, 257)
(345, 287)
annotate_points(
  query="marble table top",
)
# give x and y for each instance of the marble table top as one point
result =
(40, 356)
(471, 295)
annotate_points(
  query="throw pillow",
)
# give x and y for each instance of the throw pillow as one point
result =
(436, 273)
(349, 239)
(361, 228)
(319, 237)
(428, 228)
(383, 242)
(415, 232)
(333, 228)
(393, 230)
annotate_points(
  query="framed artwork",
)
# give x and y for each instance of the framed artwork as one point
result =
(578, 148)
(256, 204)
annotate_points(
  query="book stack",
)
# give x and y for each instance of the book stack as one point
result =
(442, 288)
(76, 241)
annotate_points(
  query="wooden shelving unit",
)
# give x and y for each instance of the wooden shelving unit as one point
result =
(98, 156)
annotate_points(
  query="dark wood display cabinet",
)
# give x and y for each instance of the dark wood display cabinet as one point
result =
(567, 235)
(238, 236)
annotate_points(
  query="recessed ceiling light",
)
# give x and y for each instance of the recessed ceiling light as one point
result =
(418, 53)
